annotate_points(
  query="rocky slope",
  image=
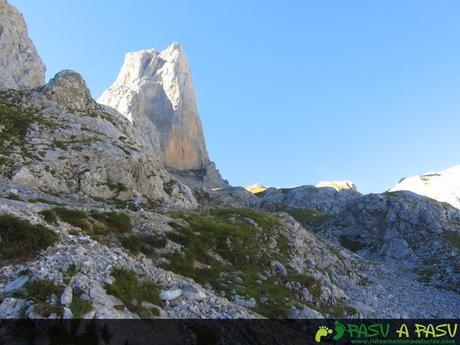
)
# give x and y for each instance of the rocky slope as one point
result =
(58, 139)
(443, 186)
(95, 223)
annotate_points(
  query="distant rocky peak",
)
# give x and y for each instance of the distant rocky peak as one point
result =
(20, 64)
(154, 90)
(443, 186)
(338, 185)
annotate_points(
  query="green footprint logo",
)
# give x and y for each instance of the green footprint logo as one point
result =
(322, 332)
(339, 330)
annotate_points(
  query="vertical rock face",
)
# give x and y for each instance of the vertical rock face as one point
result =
(20, 65)
(154, 91)
(443, 186)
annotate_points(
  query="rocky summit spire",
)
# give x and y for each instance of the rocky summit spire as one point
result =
(20, 65)
(154, 91)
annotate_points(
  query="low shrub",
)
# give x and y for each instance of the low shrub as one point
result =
(20, 239)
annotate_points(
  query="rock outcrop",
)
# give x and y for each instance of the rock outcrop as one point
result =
(69, 90)
(155, 88)
(402, 228)
(338, 185)
(324, 199)
(20, 65)
(59, 139)
(443, 186)
(256, 188)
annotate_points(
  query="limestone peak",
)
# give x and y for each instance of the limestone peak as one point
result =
(154, 90)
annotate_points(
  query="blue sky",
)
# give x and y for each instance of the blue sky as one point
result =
(290, 92)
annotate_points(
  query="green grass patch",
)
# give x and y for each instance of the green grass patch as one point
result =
(95, 223)
(38, 291)
(312, 284)
(75, 218)
(19, 239)
(13, 196)
(141, 243)
(169, 186)
(44, 201)
(71, 271)
(239, 237)
(49, 216)
(14, 120)
(132, 243)
(78, 306)
(116, 186)
(243, 239)
(115, 221)
(46, 310)
(133, 291)
(453, 240)
(308, 217)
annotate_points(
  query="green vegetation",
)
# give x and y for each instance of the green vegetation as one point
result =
(308, 217)
(46, 310)
(14, 120)
(21, 240)
(116, 186)
(93, 224)
(365, 282)
(44, 201)
(73, 217)
(352, 243)
(311, 283)
(453, 240)
(132, 243)
(60, 144)
(38, 291)
(71, 271)
(239, 237)
(13, 196)
(132, 291)
(168, 186)
(114, 221)
(141, 243)
(49, 216)
(229, 248)
(79, 307)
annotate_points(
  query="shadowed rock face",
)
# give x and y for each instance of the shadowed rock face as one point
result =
(20, 65)
(154, 91)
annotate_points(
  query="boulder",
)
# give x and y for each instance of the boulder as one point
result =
(279, 268)
(66, 297)
(169, 295)
(193, 292)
